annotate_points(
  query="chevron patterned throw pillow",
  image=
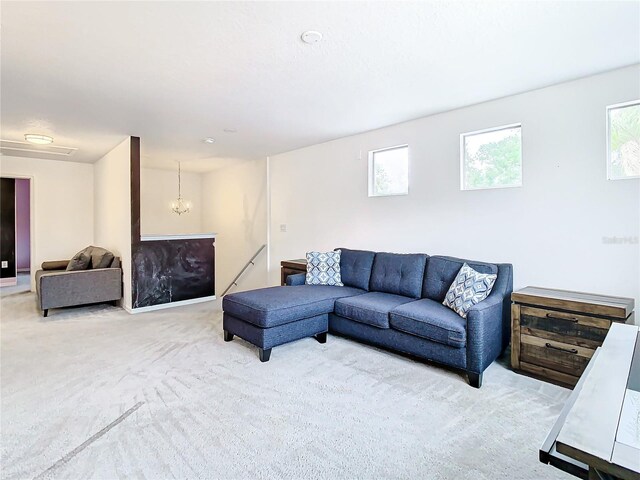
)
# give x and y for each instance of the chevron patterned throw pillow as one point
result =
(323, 268)
(468, 289)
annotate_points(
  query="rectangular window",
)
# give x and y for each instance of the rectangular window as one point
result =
(623, 140)
(389, 171)
(491, 158)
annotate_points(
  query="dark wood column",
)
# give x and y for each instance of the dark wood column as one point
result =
(135, 190)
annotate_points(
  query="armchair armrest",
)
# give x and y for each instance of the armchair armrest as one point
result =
(296, 279)
(55, 265)
(484, 333)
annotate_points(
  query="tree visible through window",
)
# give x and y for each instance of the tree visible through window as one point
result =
(623, 140)
(492, 158)
(389, 171)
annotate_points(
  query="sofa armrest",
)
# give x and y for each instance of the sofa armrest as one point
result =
(62, 289)
(487, 304)
(55, 265)
(296, 279)
(484, 333)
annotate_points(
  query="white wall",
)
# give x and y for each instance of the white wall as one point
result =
(158, 188)
(235, 207)
(112, 187)
(62, 196)
(551, 229)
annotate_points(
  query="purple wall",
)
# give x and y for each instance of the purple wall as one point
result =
(23, 223)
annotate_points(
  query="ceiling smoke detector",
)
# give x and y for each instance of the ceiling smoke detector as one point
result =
(311, 37)
(38, 139)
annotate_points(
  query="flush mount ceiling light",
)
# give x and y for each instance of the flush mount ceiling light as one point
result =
(230, 130)
(38, 139)
(311, 37)
(209, 140)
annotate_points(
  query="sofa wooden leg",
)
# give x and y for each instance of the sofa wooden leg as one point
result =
(228, 336)
(475, 379)
(45, 312)
(322, 337)
(265, 354)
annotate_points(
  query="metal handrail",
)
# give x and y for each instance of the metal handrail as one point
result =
(250, 262)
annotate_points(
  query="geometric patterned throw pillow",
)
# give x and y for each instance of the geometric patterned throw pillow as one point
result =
(468, 288)
(323, 268)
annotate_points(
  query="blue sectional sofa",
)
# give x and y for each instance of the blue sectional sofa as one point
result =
(389, 300)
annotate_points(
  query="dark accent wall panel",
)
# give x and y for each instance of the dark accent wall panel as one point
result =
(167, 271)
(8, 227)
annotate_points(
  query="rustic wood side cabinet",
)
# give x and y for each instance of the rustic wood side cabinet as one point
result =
(291, 267)
(554, 333)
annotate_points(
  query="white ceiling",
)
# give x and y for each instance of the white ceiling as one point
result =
(91, 73)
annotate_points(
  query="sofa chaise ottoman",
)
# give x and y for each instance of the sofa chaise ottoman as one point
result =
(269, 317)
(393, 301)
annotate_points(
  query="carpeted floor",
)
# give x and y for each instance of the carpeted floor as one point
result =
(23, 285)
(94, 392)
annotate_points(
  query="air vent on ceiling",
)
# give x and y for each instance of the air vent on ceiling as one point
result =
(25, 149)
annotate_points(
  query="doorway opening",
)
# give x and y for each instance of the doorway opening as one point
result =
(15, 230)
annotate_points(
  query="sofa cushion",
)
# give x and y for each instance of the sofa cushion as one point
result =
(80, 261)
(431, 320)
(399, 274)
(268, 307)
(355, 267)
(100, 257)
(441, 271)
(468, 289)
(91, 257)
(371, 308)
(323, 268)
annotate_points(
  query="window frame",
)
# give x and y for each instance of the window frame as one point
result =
(608, 139)
(371, 176)
(463, 153)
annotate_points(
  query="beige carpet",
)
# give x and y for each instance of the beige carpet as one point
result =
(94, 392)
(23, 285)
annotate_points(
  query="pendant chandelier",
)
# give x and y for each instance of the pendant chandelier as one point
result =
(180, 205)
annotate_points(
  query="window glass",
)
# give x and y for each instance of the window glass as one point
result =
(491, 158)
(389, 171)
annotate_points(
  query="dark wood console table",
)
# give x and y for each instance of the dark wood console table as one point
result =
(291, 267)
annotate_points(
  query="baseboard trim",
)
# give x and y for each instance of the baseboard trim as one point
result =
(162, 306)
(8, 282)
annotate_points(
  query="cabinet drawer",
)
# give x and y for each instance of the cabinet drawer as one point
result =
(559, 356)
(550, 374)
(565, 327)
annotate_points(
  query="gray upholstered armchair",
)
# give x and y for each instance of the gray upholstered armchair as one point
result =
(57, 287)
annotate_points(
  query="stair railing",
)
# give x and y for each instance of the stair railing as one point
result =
(250, 262)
